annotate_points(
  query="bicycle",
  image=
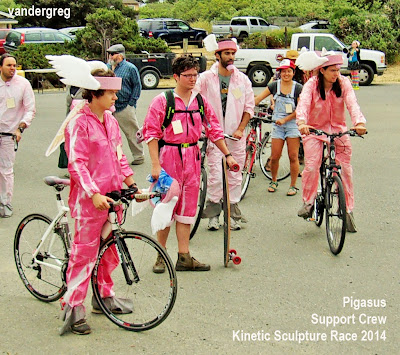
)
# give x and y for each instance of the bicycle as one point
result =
(259, 147)
(203, 187)
(42, 250)
(330, 194)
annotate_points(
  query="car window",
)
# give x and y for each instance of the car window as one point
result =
(33, 37)
(263, 23)
(61, 37)
(303, 42)
(157, 25)
(48, 37)
(253, 22)
(183, 26)
(144, 25)
(172, 25)
(240, 22)
(329, 43)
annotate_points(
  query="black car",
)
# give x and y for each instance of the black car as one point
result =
(172, 31)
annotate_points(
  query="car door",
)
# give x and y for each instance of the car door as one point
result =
(175, 33)
(187, 31)
(264, 25)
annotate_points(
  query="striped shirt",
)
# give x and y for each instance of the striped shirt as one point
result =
(131, 86)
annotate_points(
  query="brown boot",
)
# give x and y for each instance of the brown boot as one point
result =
(159, 266)
(186, 263)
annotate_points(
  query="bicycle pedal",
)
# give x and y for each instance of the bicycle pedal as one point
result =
(252, 175)
(310, 219)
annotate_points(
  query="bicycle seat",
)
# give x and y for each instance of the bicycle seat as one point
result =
(55, 180)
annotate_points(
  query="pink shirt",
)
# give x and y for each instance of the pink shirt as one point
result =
(18, 93)
(329, 114)
(191, 134)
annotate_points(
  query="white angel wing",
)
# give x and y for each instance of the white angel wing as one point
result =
(309, 61)
(324, 52)
(60, 138)
(74, 71)
(210, 42)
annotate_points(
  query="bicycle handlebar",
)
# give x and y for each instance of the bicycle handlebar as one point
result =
(320, 132)
(125, 195)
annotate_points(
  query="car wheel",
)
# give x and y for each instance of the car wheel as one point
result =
(242, 36)
(150, 79)
(259, 75)
(366, 75)
(200, 42)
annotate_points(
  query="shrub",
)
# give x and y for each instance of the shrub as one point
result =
(271, 39)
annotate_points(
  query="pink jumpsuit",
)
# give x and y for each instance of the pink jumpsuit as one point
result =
(17, 105)
(185, 170)
(96, 164)
(329, 116)
(240, 100)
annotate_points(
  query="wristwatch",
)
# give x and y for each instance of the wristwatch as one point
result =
(21, 129)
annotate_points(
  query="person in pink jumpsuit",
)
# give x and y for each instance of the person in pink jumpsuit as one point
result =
(322, 106)
(17, 110)
(97, 165)
(230, 93)
(180, 156)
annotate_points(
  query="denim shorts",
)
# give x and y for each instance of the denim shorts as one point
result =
(288, 130)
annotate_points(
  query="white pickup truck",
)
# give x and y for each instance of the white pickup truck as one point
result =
(241, 27)
(260, 64)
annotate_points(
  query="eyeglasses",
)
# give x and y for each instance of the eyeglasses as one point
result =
(194, 76)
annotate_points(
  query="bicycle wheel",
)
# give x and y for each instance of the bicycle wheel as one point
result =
(153, 295)
(264, 159)
(201, 201)
(247, 169)
(43, 275)
(319, 203)
(335, 215)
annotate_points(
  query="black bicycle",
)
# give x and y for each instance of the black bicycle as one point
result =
(42, 251)
(330, 194)
(203, 187)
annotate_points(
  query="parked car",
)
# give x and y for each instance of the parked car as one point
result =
(260, 64)
(173, 31)
(33, 35)
(71, 31)
(315, 26)
(3, 34)
(154, 66)
(241, 27)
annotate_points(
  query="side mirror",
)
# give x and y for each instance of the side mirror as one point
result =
(345, 50)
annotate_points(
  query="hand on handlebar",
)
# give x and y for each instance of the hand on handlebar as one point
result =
(305, 129)
(360, 129)
(100, 201)
(238, 134)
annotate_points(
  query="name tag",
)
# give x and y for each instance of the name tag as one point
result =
(119, 151)
(10, 102)
(237, 93)
(289, 108)
(177, 127)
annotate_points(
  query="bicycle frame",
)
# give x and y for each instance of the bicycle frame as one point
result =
(60, 219)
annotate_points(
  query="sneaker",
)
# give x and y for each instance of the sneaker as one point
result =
(350, 223)
(305, 211)
(186, 263)
(159, 266)
(81, 327)
(213, 223)
(138, 161)
(235, 226)
(6, 211)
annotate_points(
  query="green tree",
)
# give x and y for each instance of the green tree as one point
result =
(78, 12)
(8, 4)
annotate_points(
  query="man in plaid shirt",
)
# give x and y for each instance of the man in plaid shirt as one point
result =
(125, 106)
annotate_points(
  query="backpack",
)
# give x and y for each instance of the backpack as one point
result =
(170, 111)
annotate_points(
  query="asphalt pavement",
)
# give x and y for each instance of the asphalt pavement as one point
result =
(289, 295)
